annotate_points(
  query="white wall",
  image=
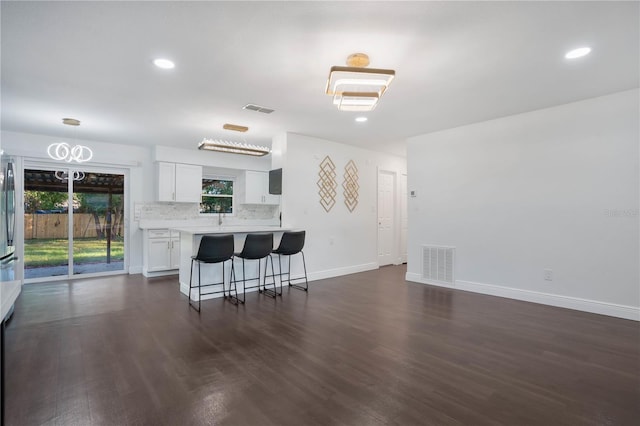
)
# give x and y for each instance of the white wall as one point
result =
(338, 242)
(551, 189)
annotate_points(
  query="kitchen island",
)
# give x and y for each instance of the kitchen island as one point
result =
(190, 237)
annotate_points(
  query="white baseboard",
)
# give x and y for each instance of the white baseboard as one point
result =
(135, 269)
(330, 273)
(586, 305)
(159, 273)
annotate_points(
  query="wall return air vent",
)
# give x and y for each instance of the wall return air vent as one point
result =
(438, 264)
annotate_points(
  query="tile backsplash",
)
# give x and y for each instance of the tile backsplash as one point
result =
(190, 211)
(256, 211)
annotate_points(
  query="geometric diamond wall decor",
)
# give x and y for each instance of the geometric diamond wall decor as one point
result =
(350, 185)
(327, 184)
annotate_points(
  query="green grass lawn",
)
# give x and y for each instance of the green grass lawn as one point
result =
(54, 252)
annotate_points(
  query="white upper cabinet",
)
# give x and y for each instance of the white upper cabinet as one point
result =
(181, 183)
(188, 183)
(253, 188)
(166, 182)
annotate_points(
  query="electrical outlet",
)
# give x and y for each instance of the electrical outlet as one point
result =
(548, 275)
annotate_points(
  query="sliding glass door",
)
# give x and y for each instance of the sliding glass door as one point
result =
(98, 222)
(46, 224)
(73, 222)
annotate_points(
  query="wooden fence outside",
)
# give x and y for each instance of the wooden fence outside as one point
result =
(56, 225)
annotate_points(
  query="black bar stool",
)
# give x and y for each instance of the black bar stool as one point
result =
(292, 243)
(258, 247)
(212, 249)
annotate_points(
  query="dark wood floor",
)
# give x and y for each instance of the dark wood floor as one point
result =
(364, 349)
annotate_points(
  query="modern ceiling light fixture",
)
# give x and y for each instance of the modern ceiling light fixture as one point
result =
(62, 151)
(578, 53)
(235, 127)
(361, 119)
(233, 147)
(356, 88)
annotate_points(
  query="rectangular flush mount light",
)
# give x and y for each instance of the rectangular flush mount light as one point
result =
(233, 147)
(353, 101)
(357, 88)
(235, 127)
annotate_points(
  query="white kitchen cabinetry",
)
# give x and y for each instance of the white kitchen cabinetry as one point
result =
(253, 188)
(162, 251)
(174, 250)
(180, 183)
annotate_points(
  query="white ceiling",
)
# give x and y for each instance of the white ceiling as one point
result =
(456, 63)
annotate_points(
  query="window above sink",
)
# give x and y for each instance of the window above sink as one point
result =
(217, 195)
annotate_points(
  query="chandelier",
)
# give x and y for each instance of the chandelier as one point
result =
(233, 147)
(62, 151)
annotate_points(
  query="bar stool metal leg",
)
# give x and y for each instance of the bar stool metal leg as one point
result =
(271, 293)
(306, 281)
(191, 287)
(232, 280)
(235, 299)
(288, 273)
(292, 243)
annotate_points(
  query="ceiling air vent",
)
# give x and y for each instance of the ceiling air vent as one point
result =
(258, 108)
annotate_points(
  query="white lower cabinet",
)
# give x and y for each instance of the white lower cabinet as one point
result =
(162, 251)
(174, 252)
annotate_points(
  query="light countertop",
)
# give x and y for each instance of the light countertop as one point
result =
(205, 223)
(240, 229)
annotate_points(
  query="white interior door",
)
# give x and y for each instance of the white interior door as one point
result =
(386, 234)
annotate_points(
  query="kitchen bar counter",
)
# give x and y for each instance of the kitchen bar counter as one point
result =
(190, 237)
(240, 229)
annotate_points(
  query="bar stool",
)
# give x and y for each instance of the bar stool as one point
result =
(212, 249)
(258, 247)
(292, 243)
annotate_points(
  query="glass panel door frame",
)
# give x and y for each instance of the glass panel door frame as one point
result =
(100, 211)
(27, 164)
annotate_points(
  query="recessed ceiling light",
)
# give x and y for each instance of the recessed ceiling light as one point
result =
(164, 63)
(361, 119)
(578, 53)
